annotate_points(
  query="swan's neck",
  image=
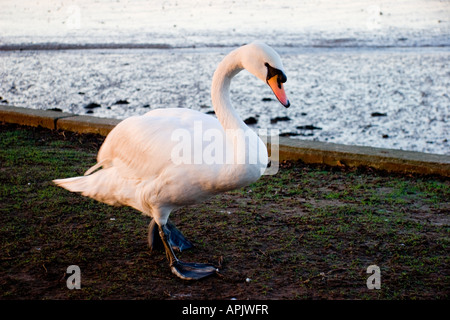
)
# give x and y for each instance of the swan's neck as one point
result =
(220, 91)
(249, 152)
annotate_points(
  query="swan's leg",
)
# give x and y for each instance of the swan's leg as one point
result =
(176, 238)
(154, 240)
(184, 270)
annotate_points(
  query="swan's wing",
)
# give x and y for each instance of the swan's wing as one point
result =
(141, 147)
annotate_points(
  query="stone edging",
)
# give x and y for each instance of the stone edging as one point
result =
(289, 149)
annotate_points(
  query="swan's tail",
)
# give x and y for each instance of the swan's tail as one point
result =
(82, 183)
(101, 186)
(75, 184)
(78, 184)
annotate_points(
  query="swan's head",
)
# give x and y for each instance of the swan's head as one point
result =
(262, 61)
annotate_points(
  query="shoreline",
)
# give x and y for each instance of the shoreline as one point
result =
(313, 152)
(325, 45)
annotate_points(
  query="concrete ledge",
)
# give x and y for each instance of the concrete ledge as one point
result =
(30, 117)
(289, 149)
(355, 156)
(87, 124)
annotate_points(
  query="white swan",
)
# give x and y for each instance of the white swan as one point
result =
(173, 157)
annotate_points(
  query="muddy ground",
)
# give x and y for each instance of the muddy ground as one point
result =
(309, 232)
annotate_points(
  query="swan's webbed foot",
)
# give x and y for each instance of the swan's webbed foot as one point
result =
(192, 271)
(175, 238)
(184, 270)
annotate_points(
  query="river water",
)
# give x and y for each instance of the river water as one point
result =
(367, 73)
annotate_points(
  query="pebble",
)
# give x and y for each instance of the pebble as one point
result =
(378, 114)
(121, 102)
(250, 120)
(308, 127)
(276, 119)
(92, 105)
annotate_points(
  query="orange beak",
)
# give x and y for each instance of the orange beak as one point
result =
(277, 87)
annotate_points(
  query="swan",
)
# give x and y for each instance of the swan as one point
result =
(173, 157)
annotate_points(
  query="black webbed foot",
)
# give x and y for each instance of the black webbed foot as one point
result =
(192, 271)
(184, 270)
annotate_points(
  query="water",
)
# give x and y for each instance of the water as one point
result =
(359, 72)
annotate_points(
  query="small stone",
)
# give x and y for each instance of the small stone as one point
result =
(378, 114)
(276, 119)
(121, 102)
(250, 120)
(308, 127)
(92, 105)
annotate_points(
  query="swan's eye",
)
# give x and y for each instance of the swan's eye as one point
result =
(272, 72)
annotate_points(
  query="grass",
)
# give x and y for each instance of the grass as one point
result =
(308, 232)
